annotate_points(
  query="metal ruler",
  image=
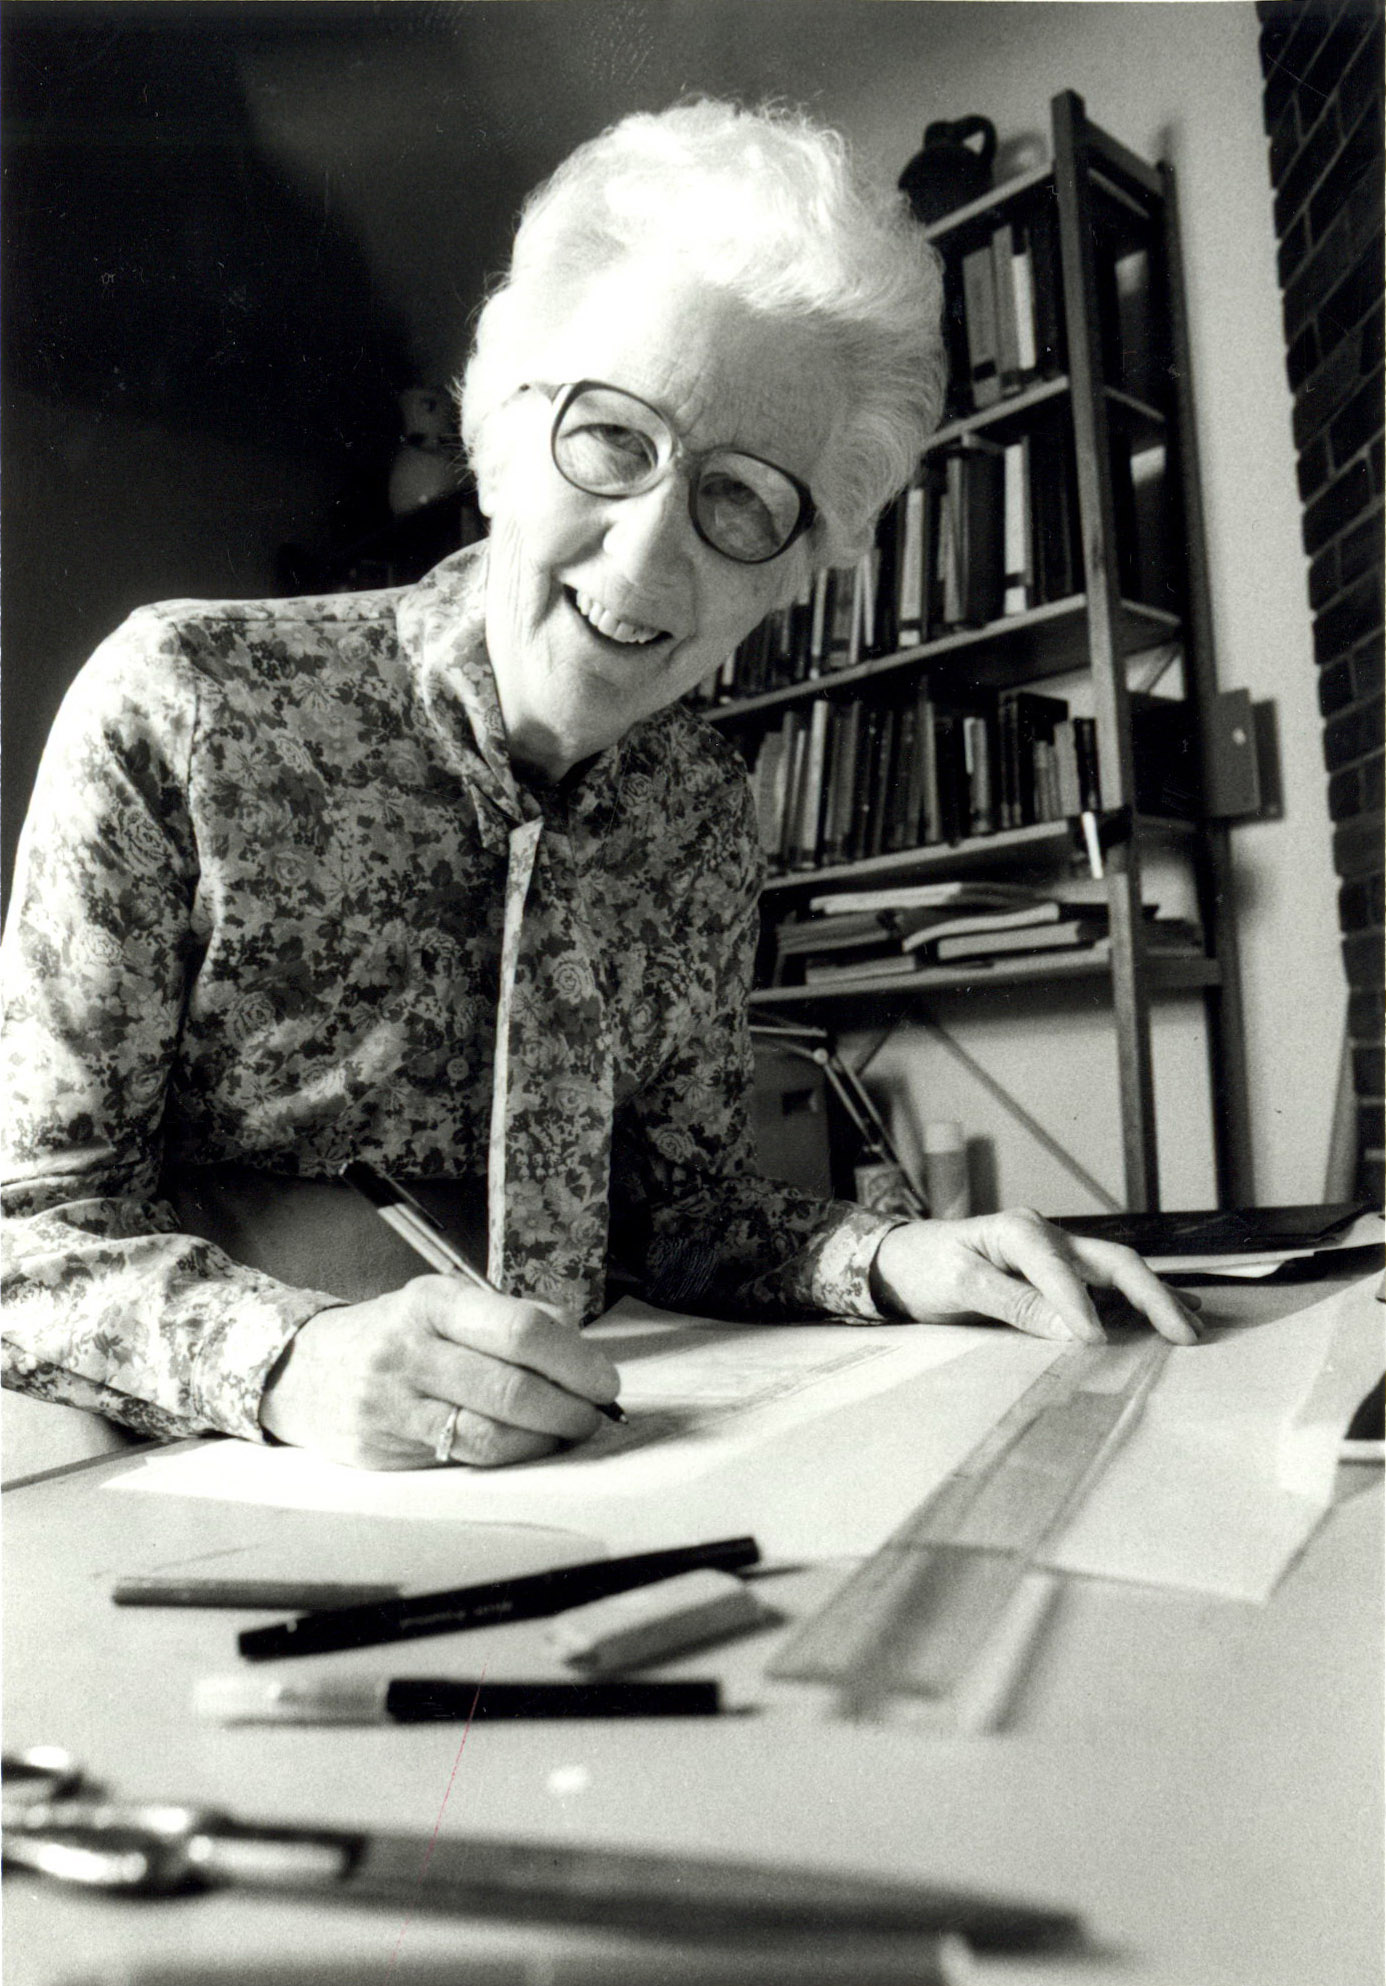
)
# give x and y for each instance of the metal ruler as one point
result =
(915, 1623)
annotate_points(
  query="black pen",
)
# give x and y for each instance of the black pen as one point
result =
(532, 1597)
(413, 1223)
(441, 1700)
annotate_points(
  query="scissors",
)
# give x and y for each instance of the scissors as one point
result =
(57, 1822)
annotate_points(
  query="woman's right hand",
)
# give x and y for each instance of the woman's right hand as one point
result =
(372, 1384)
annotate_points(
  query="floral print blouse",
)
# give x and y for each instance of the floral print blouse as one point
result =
(282, 902)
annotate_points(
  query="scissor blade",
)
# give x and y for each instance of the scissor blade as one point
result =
(633, 1891)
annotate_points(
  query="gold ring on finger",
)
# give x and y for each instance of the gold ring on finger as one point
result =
(447, 1434)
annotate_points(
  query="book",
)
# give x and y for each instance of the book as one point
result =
(911, 595)
(1059, 936)
(1023, 279)
(818, 621)
(841, 618)
(902, 818)
(1042, 240)
(979, 315)
(1018, 529)
(804, 839)
(827, 972)
(838, 803)
(767, 789)
(1007, 324)
(928, 818)
(971, 543)
(921, 896)
(1054, 512)
(922, 927)
(796, 736)
(873, 834)
(978, 755)
(863, 783)
(829, 931)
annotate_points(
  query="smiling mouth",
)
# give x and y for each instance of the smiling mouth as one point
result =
(626, 634)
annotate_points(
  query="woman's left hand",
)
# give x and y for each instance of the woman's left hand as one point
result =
(1018, 1269)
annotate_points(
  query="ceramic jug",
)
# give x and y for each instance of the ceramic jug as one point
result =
(949, 171)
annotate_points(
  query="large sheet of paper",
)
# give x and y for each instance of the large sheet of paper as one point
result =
(820, 1440)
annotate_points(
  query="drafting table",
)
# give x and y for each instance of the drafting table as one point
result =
(1199, 1778)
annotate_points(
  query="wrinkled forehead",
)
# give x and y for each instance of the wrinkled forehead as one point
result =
(721, 373)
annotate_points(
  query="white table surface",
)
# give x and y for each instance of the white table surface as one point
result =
(1199, 1778)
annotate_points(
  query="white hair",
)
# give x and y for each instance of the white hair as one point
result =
(764, 205)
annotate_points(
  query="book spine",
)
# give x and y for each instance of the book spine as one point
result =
(841, 618)
(982, 574)
(796, 734)
(863, 777)
(881, 784)
(977, 747)
(1007, 327)
(1019, 548)
(1051, 347)
(818, 622)
(838, 822)
(910, 596)
(979, 308)
(1023, 281)
(902, 825)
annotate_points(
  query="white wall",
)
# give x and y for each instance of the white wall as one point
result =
(429, 147)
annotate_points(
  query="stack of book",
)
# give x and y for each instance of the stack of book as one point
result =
(872, 934)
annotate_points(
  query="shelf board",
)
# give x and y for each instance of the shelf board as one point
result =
(1043, 641)
(1040, 843)
(1000, 412)
(988, 203)
(1165, 972)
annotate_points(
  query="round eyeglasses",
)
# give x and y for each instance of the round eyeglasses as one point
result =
(609, 443)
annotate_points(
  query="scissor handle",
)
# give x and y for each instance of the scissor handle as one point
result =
(40, 1775)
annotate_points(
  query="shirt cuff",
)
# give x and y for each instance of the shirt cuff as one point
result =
(842, 1272)
(245, 1338)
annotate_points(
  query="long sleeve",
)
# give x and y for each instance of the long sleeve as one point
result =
(107, 1306)
(700, 1225)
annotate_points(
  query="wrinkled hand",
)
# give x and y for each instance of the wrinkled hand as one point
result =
(1018, 1269)
(371, 1384)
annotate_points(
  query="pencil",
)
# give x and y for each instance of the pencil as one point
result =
(414, 1224)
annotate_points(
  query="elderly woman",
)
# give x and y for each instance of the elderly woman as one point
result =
(449, 878)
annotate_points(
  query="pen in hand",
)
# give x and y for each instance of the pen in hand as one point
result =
(413, 1223)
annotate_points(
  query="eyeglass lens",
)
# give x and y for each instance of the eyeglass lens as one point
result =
(610, 444)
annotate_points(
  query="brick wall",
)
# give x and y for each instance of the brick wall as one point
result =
(1322, 65)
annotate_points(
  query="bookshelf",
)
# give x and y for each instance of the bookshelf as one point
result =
(1054, 531)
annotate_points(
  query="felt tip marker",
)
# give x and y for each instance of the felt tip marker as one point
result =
(439, 1700)
(533, 1596)
(413, 1223)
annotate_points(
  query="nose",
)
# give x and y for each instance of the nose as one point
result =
(651, 536)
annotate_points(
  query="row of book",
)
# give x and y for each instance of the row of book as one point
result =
(846, 779)
(1005, 314)
(983, 531)
(842, 780)
(875, 934)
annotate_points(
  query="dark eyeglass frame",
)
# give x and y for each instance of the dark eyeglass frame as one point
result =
(563, 396)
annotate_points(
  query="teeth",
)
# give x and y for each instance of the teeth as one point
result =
(609, 625)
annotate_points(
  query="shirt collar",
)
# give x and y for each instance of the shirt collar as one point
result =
(442, 631)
